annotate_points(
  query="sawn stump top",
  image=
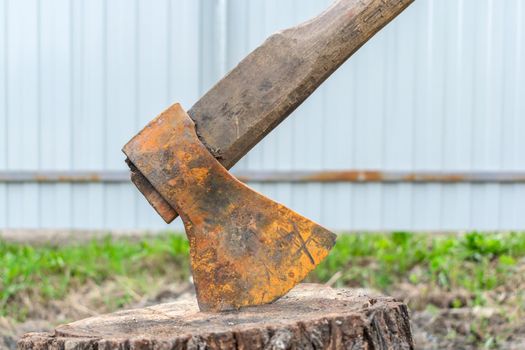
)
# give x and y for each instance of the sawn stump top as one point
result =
(310, 317)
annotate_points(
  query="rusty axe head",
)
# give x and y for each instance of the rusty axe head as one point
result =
(245, 248)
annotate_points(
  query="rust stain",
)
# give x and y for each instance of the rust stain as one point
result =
(40, 178)
(68, 178)
(414, 177)
(90, 178)
(245, 249)
(277, 177)
(345, 176)
(357, 176)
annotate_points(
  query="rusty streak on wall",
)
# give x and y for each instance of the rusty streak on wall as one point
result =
(334, 176)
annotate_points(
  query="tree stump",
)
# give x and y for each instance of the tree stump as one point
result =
(310, 317)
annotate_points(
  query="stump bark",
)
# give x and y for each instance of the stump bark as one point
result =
(310, 317)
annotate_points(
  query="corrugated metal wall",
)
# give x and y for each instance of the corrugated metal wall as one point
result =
(441, 88)
(79, 78)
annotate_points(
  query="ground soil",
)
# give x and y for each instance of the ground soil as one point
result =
(439, 321)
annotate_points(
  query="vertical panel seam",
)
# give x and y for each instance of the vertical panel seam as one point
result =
(222, 29)
(459, 59)
(72, 92)
(472, 108)
(6, 85)
(520, 28)
(200, 45)
(105, 104)
(136, 68)
(6, 109)
(136, 92)
(519, 52)
(502, 120)
(39, 83)
(39, 108)
(169, 39)
(444, 124)
(353, 142)
(385, 78)
(503, 92)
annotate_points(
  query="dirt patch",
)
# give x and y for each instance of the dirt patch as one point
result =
(444, 319)
(90, 300)
(436, 323)
(465, 328)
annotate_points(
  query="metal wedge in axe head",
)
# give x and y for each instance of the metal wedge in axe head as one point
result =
(179, 160)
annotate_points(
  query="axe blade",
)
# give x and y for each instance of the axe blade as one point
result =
(245, 248)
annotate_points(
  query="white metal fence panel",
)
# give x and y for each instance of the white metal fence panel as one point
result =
(442, 88)
(80, 77)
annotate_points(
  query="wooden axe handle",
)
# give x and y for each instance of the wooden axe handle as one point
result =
(273, 80)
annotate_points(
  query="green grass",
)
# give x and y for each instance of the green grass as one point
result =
(475, 262)
(44, 272)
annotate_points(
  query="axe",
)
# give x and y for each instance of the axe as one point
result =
(246, 249)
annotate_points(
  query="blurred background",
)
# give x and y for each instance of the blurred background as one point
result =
(439, 93)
